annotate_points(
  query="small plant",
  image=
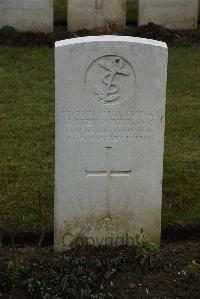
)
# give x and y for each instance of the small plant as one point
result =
(15, 271)
(193, 270)
(146, 252)
(8, 31)
(113, 265)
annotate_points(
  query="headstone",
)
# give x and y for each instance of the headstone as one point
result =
(172, 14)
(91, 14)
(110, 116)
(27, 15)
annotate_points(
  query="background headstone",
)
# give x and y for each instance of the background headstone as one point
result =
(110, 115)
(90, 14)
(172, 14)
(27, 15)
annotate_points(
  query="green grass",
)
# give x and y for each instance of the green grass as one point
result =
(27, 135)
(182, 154)
(60, 11)
(27, 139)
(132, 11)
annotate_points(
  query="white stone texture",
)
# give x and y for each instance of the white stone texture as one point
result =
(91, 14)
(172, 14)
(110, 116)
(27, 15)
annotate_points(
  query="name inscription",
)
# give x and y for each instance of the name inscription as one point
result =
(109, 125)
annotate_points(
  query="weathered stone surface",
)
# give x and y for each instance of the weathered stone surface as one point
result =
(90, 14)
(172, 14)
(110, 115)
(27, 15)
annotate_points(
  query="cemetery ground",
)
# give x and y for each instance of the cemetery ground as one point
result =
(27, 183)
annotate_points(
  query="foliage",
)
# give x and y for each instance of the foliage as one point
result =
(146, 252)
(15, 271)
(60, 12)
(8, 31)
(132, 11)
(113, 265)
(74, 277)
(193, 270)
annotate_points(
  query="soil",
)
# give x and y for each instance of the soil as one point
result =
(109, 273)
(176, 38)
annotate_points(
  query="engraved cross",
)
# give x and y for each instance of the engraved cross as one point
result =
(108, 173)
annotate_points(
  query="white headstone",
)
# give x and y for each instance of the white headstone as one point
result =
(90, 14)
(27, 15)
(172, 14)
(110, 116)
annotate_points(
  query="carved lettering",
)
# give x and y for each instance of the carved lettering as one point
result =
(109, 125)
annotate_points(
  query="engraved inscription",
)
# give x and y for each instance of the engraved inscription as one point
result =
(109, 126)
(110, 80)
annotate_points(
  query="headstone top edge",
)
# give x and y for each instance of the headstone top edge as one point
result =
(110, 38)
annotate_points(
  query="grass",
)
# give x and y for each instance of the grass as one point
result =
(27, 139)
(132, 11)
(60, 11)
(27, 136)
(182, 154)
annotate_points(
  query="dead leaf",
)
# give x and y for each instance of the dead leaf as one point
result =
(132, 285)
